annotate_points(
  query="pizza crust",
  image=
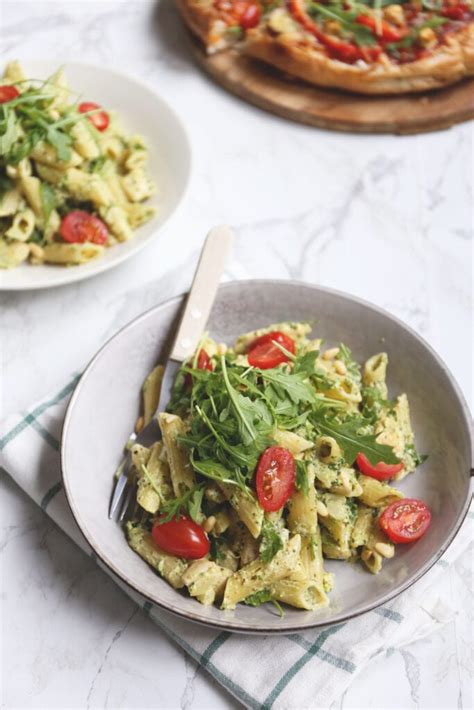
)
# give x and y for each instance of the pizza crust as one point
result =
(198, 15)
(207, 23)
(298, 58)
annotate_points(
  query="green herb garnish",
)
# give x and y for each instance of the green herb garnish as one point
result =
(271, 541)
(262, 597)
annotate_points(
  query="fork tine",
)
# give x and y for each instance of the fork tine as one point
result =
(126, 503)
(118, 495)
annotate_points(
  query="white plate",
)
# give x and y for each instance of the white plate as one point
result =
(142, 111)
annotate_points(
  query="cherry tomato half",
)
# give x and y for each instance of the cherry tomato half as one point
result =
(251, 17)
(8, 93)
(275, 479)
(405, 520)
(246, 12)
(181, 537)
(203, 363)
(263, 352)
(455, 11)
(100, 119)
(79, 226)
(381, 471)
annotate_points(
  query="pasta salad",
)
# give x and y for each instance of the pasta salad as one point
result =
(276, 454)
(72, 183)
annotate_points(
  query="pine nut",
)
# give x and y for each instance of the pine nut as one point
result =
(36, 251)
(385, 549)
(340, 368)
(321, 509)
(330, 354)
(209, 523)
(346, 483)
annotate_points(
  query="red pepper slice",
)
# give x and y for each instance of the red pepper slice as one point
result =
(381, 29)
(381, 471)
(8, 93)
(345, 51)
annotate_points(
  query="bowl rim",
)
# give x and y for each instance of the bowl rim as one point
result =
(69, 276)
(228, 625)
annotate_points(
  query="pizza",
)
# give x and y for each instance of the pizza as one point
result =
(365, 46)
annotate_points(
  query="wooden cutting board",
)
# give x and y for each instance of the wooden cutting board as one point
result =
(285, 96)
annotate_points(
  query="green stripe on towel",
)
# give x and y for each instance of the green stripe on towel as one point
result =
(330, 658)
(300, 663)
(49, 495)
(27, 420)
(389, 614)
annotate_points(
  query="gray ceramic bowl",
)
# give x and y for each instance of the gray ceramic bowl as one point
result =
(104, 406)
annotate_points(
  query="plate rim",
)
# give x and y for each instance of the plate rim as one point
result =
(228, 625)
(70, 276)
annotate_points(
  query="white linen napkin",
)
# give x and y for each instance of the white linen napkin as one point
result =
(309, 669)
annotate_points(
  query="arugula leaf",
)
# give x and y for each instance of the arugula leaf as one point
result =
(321, 381)
(174, 508)
(433, 5)
(301, 482)
(361, 35)
(23, 147)
(261, 597)
(216, 551)
(194, 505)
(244, 408)
(214, 470)
(350, 438)
(61, 141)
(48, 200)
(294, 385)
(9, 132)
(433, 22)
(412, 37)
(6, 184)
(373, 402)
(345, 354)
(97, 164)
(271, 541)
(411, 451)
(306, 364)
(36, 237)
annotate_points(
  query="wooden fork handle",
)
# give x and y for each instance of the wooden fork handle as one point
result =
(203, 292)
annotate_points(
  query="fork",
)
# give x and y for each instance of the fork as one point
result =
(193, 321)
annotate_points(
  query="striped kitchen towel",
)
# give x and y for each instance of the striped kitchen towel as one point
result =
(304, 670)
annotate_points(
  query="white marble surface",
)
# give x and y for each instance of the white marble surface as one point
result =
(386, 218)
